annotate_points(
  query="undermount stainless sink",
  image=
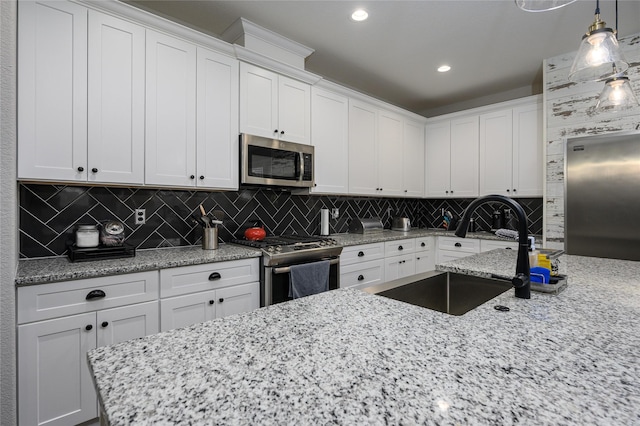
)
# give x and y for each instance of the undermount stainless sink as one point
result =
(447, 292)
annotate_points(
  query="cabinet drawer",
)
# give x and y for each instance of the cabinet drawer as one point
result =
(210, 276)
(45, 301)
(399, 247)
(362, 274)
(363, 253)
(459, 244)
(424, 244)
(487, 245)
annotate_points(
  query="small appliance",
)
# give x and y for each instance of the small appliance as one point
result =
(400, 224)
(275, 163)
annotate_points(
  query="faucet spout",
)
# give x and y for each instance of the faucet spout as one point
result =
(522, 280)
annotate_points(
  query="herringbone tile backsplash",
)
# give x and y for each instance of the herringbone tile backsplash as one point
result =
(50, 213)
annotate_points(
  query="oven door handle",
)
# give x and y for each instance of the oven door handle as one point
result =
(301, 166)
(286, 269)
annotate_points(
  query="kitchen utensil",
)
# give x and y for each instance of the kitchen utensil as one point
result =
(205, 218)
(400, 224)
(256, 232)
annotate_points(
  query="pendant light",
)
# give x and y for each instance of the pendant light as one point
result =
(541, 5)
(598, 53)
(617, 94)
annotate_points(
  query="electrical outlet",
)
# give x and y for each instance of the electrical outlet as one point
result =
(335, 213)
(141, 216)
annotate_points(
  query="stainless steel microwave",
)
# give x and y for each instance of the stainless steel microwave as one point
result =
(265, 161)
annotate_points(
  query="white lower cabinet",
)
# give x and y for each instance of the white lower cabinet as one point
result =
(54, 382)
(182, 311)
(362, 266)
(425, 254)
(451, 248)
(362, 274)
(200, 293)
(399, 266)
(399, 259)
(488, 245)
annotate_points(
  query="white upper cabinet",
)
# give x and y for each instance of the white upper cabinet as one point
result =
(116, 100)
(452, 158)
(496, 152)
(438, 159)
(390, 153)
(81, 104)
(274, 106)
(52, 82)
(386, 152)
(171, 111)
(217, 120)
(528, 163)
(330, 138)
(363, 155)
(464, 157)
(413, 162)
(511, 151)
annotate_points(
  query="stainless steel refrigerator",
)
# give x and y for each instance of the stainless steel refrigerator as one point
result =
(602, 196)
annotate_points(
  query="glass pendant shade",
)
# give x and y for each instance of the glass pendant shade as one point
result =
(541, 5)
(599, 52)
(616, 96)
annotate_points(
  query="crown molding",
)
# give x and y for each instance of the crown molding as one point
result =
(263, 61)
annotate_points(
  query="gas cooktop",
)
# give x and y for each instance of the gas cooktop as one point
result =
(287, 248)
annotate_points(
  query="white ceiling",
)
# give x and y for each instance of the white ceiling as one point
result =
(494, 48)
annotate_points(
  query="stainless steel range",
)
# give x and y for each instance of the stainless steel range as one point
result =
(282, 252)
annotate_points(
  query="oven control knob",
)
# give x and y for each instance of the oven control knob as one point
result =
(278, 248)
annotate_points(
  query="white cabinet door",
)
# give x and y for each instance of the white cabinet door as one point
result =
(330, 138)
(496, 136)
(182, 311)
(362, 274)
(438, 159)
(127, 322)
(115, 100)
(258, 101)
(294, 110)
(170, 111)
(237, 299)
(527, 151)
(425, 262)
(399, 267)
(217, 120)
(52, 82)
(363, 156)
(464, 157)
(54, 383)
(413, 159)
(390, 153)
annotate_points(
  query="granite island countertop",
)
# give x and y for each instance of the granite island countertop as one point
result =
(348, 357)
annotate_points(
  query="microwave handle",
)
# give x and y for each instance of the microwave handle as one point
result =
(301, 167)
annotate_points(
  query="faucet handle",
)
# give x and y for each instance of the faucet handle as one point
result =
(520, 280)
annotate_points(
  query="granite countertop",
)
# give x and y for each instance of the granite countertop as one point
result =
(47, 270)
(348, 357)
(40, 271)
(389, 235)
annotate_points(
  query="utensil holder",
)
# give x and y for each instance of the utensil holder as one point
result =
(209, 238)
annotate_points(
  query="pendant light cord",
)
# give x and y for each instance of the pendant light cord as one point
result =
(597, 7)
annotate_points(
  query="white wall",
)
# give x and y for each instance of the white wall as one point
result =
(8, 208)
(569, 113)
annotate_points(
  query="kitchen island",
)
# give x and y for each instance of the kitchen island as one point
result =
(348, 357)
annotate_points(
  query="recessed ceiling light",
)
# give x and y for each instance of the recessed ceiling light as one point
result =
(444, 68)
(359, 15)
